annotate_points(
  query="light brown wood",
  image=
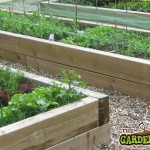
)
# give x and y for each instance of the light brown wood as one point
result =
(96, 61)
(86, 141)
(101, 69)
(12, 56)
(9, 42)
(103, 111)
(50, 128)
(98, 80)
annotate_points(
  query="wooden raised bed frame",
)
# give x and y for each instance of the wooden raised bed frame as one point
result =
(101, 69)
(81, 125)
(99, 15)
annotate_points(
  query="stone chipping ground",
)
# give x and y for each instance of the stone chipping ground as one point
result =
(125, 112)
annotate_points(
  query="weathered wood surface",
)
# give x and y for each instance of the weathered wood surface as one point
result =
(50, 128)
(102, 69)
(86, 141)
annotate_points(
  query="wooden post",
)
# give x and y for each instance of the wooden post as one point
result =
(103, 111)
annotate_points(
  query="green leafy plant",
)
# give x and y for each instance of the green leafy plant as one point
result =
(42, 99)
(128, 43)
(90, 2)
(9, 80)
(101, 38)
(71, 77)
(134, 6)
(33, 25)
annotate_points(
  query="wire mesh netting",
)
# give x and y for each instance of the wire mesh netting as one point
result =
(87, 23)
(97, 14)
(67, 8)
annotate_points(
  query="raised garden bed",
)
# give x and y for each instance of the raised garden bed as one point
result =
(114, 40)
(142, 6)
(22, 100)
(116, 17)
(80, 125)
(102, 69)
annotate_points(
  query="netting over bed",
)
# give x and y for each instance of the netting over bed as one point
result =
(67, 9)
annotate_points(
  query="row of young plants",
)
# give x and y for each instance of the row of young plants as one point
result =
(98, 3)
(134, 6)
(34, 25)
(22, 100)
(143, 6)
(130, 43)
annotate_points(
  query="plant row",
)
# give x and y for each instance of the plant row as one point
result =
(90, 2)
(20, 101)
(110, 39)
(119, 41)
(34, 25)
(143, 6)
(134, 6)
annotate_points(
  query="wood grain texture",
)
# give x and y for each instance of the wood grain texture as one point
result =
(86, 141)
(101, 69)
(50, 128)
(103, 111)
(96, 79)
(123, 67)
(12, 56)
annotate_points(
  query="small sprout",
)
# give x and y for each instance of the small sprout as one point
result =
(71, 77)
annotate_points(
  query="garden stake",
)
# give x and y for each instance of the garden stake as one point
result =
(97, 11)
(76, 23)
(126, 14)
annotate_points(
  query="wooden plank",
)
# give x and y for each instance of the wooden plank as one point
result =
(12, 56)
(107, 70)
(103, 111)
(96, 79)
(86, 141)
(7, 38)
(50, 128)
(123, 67)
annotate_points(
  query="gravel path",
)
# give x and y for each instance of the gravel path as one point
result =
(125, 111)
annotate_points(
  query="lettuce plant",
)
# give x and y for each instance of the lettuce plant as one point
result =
(31, 102)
